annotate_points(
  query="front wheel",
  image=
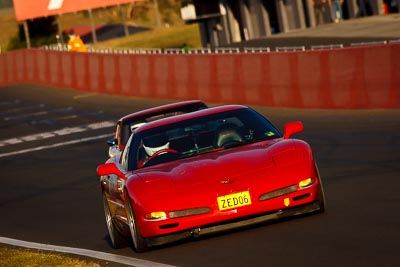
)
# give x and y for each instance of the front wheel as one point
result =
(321, 192)
(138, 241)
(117, 241)
(321, 197)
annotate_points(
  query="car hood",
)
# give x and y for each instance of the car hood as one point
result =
(225, 166)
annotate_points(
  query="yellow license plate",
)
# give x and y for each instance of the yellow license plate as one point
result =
(234, 200)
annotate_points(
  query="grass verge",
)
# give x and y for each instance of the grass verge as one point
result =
(15, 257)
(159, 37)
(173, 37)
(8, 27)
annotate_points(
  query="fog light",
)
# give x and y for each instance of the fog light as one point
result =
(155, 216)
(306, 183)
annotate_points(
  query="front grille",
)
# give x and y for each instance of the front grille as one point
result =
(169, 226)
(301, 197)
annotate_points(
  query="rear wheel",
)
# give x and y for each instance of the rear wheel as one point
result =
(138, 241)
(117, 241)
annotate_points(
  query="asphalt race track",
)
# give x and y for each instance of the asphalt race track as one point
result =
(52, 140)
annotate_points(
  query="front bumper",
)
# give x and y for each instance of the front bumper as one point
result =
(201, 231)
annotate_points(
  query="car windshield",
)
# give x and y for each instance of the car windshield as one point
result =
(199, 135)
(131, 124)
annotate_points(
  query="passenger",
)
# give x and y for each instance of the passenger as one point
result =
(137, 125)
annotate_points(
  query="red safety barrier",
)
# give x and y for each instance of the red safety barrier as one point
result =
(355, 77)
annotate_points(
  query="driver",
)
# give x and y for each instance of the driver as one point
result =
(151, 150)
(151, 145)
(137, 125)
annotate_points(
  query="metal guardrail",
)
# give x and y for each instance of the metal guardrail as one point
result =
(174, 51)
(256, 50)
(368, 43)
(125, 50)
(144, 51)
(202, 50)
(330, 46)
(394, 41)
(290, 48)
(56, 47)
(226, 50)
(187, 51)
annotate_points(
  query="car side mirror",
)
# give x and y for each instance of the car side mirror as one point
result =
(108, 169)
(292, 128)
(112, 141)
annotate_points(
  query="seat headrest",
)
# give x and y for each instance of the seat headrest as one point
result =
(228, 134)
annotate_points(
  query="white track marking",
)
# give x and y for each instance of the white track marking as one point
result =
(12, 102)
(39, 113)
(77, 141)
(83, 252)
(70, 117)
(61, 132)
(24, 108)
(85, 95)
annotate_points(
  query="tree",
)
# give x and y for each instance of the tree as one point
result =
(145, 11)
(40, 27)
(42, 31)
(6, 3)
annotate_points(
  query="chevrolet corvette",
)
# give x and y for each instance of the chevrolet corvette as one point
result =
(128, 123)
(206, 171)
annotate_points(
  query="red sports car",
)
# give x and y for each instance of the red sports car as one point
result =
(206, 171)
(128, 123)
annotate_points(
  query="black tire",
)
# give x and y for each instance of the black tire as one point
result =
(117, 241)
(321, 197)
(321, 192)
(139, 242)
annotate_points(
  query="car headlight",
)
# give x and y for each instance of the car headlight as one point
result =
(155, 216)
(306, 183)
